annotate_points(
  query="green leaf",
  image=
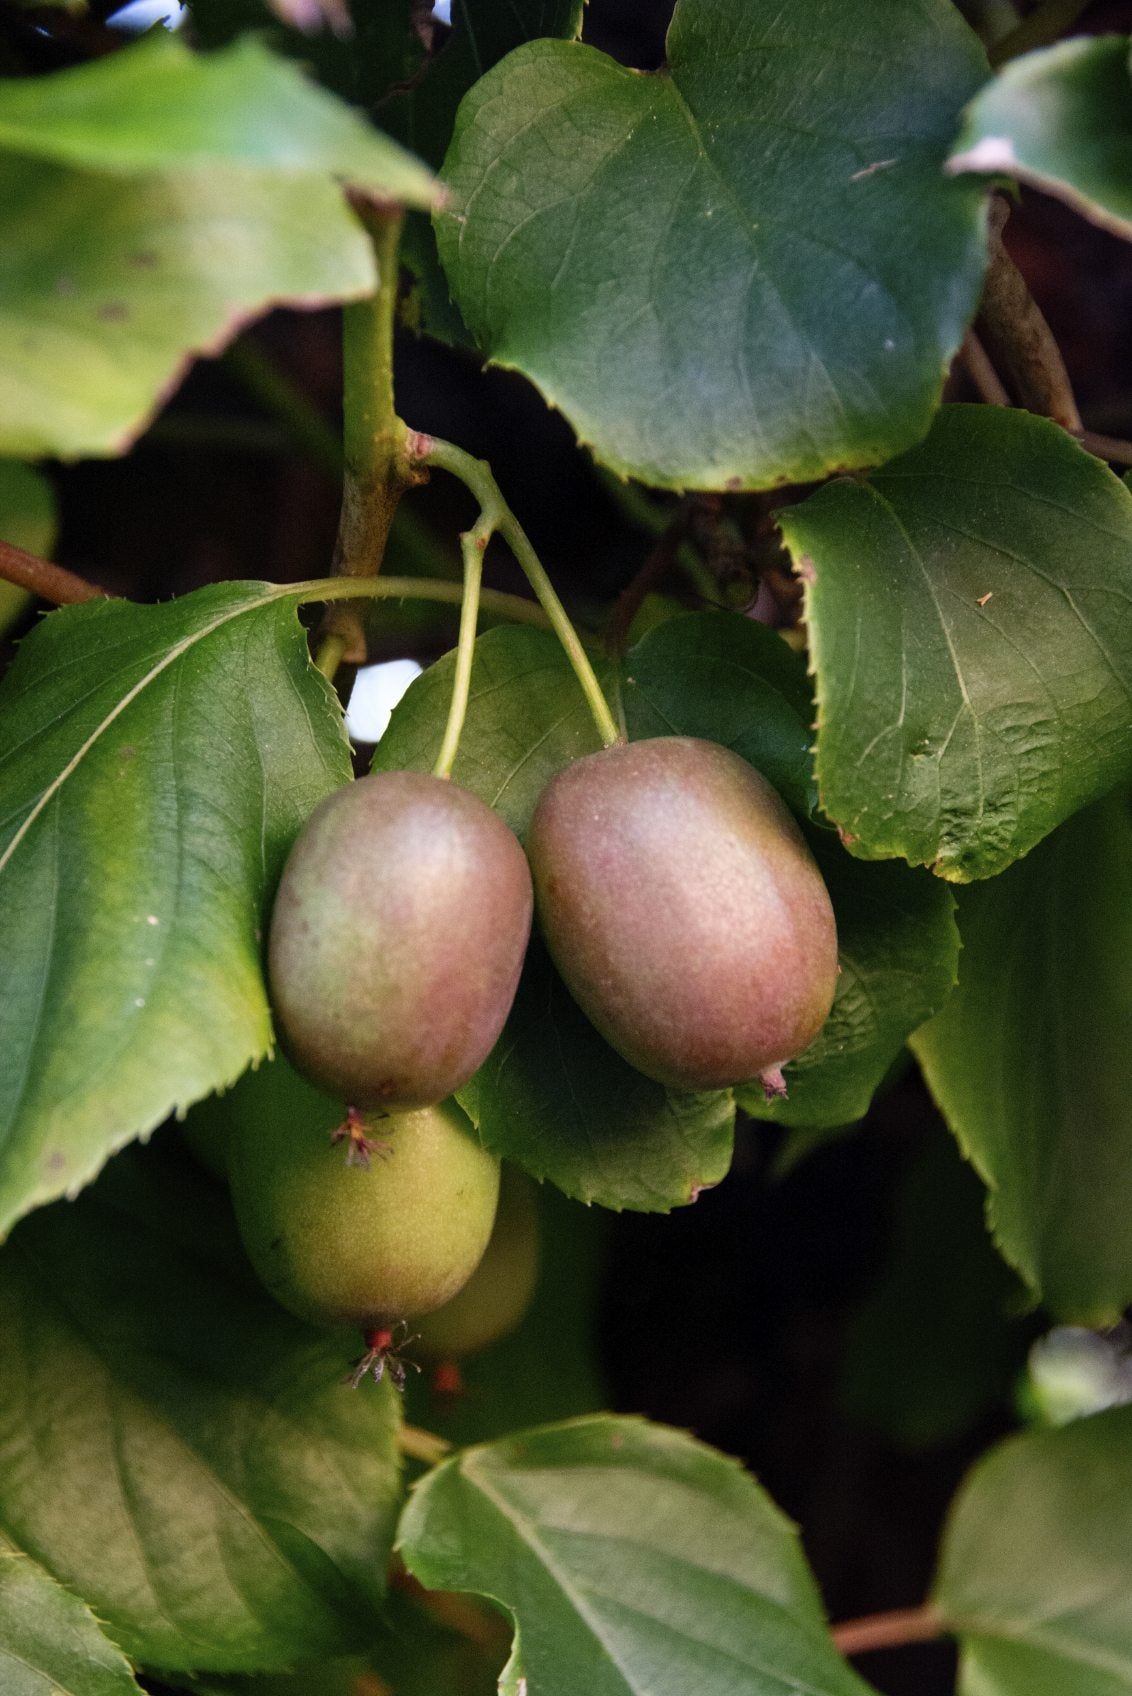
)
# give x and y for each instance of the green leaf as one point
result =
(156, 107)
(109, 285)
(939, 1339)
(27, 518)
(555, 1098)
(1034, 1571)
(526, 719)
(1029, 1060)
(423, 116)
(176, 1449)
(382, 50)
(730, 680)
(1060, 119)
(156, 764)
(784, 168)
(631, 1559)
(231, 202)
(898, 949)
(968, 617)
(50, 1642)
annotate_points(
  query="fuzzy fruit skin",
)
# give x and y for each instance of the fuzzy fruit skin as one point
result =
(684, 910)
(496, 1297)
(368, 1245)
(397, 939)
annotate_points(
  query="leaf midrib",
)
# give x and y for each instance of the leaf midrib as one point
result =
(276, 593)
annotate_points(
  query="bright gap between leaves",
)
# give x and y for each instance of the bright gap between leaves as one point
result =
(377, 690)
(139, 15)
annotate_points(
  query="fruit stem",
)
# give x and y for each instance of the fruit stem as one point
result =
(472, 545)
(496, 515)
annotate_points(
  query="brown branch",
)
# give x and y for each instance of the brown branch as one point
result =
(49, 582)
(1106, 447)
(657, 565)
(889, 1631)
(1020, 340)
(976, 361)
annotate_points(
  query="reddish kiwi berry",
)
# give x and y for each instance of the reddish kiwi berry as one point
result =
(684, 911)
(366, 1246)
(397, 939)
(499, 1292)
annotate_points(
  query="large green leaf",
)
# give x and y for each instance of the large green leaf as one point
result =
(555, 1098)
(968, 616)
(156, 107)
(1062, 120)
(1034, 1572)
(631, 1559)
(27, 518)
(898, 950)
(758, 241)
(176, 1449)
(230, 202)
(108, 286)
(1029, 1060)
(155, 764)
(50, 1642)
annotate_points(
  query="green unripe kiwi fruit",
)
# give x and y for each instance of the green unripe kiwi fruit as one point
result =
(397, 939)
(684, 911)
(499, 1292)
(342, 1244)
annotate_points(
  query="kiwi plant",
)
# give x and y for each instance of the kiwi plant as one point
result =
(823, 778)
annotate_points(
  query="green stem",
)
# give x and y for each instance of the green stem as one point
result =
(1049, 20)
(472, 545)
(331, 652)
(496, 515)
(377, 470)
(514, 607)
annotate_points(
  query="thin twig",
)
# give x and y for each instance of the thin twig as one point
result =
(889, 1631)
(50, 582)
(976, 361)
(1049, 20)
(657, 565)
(1020, 339)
